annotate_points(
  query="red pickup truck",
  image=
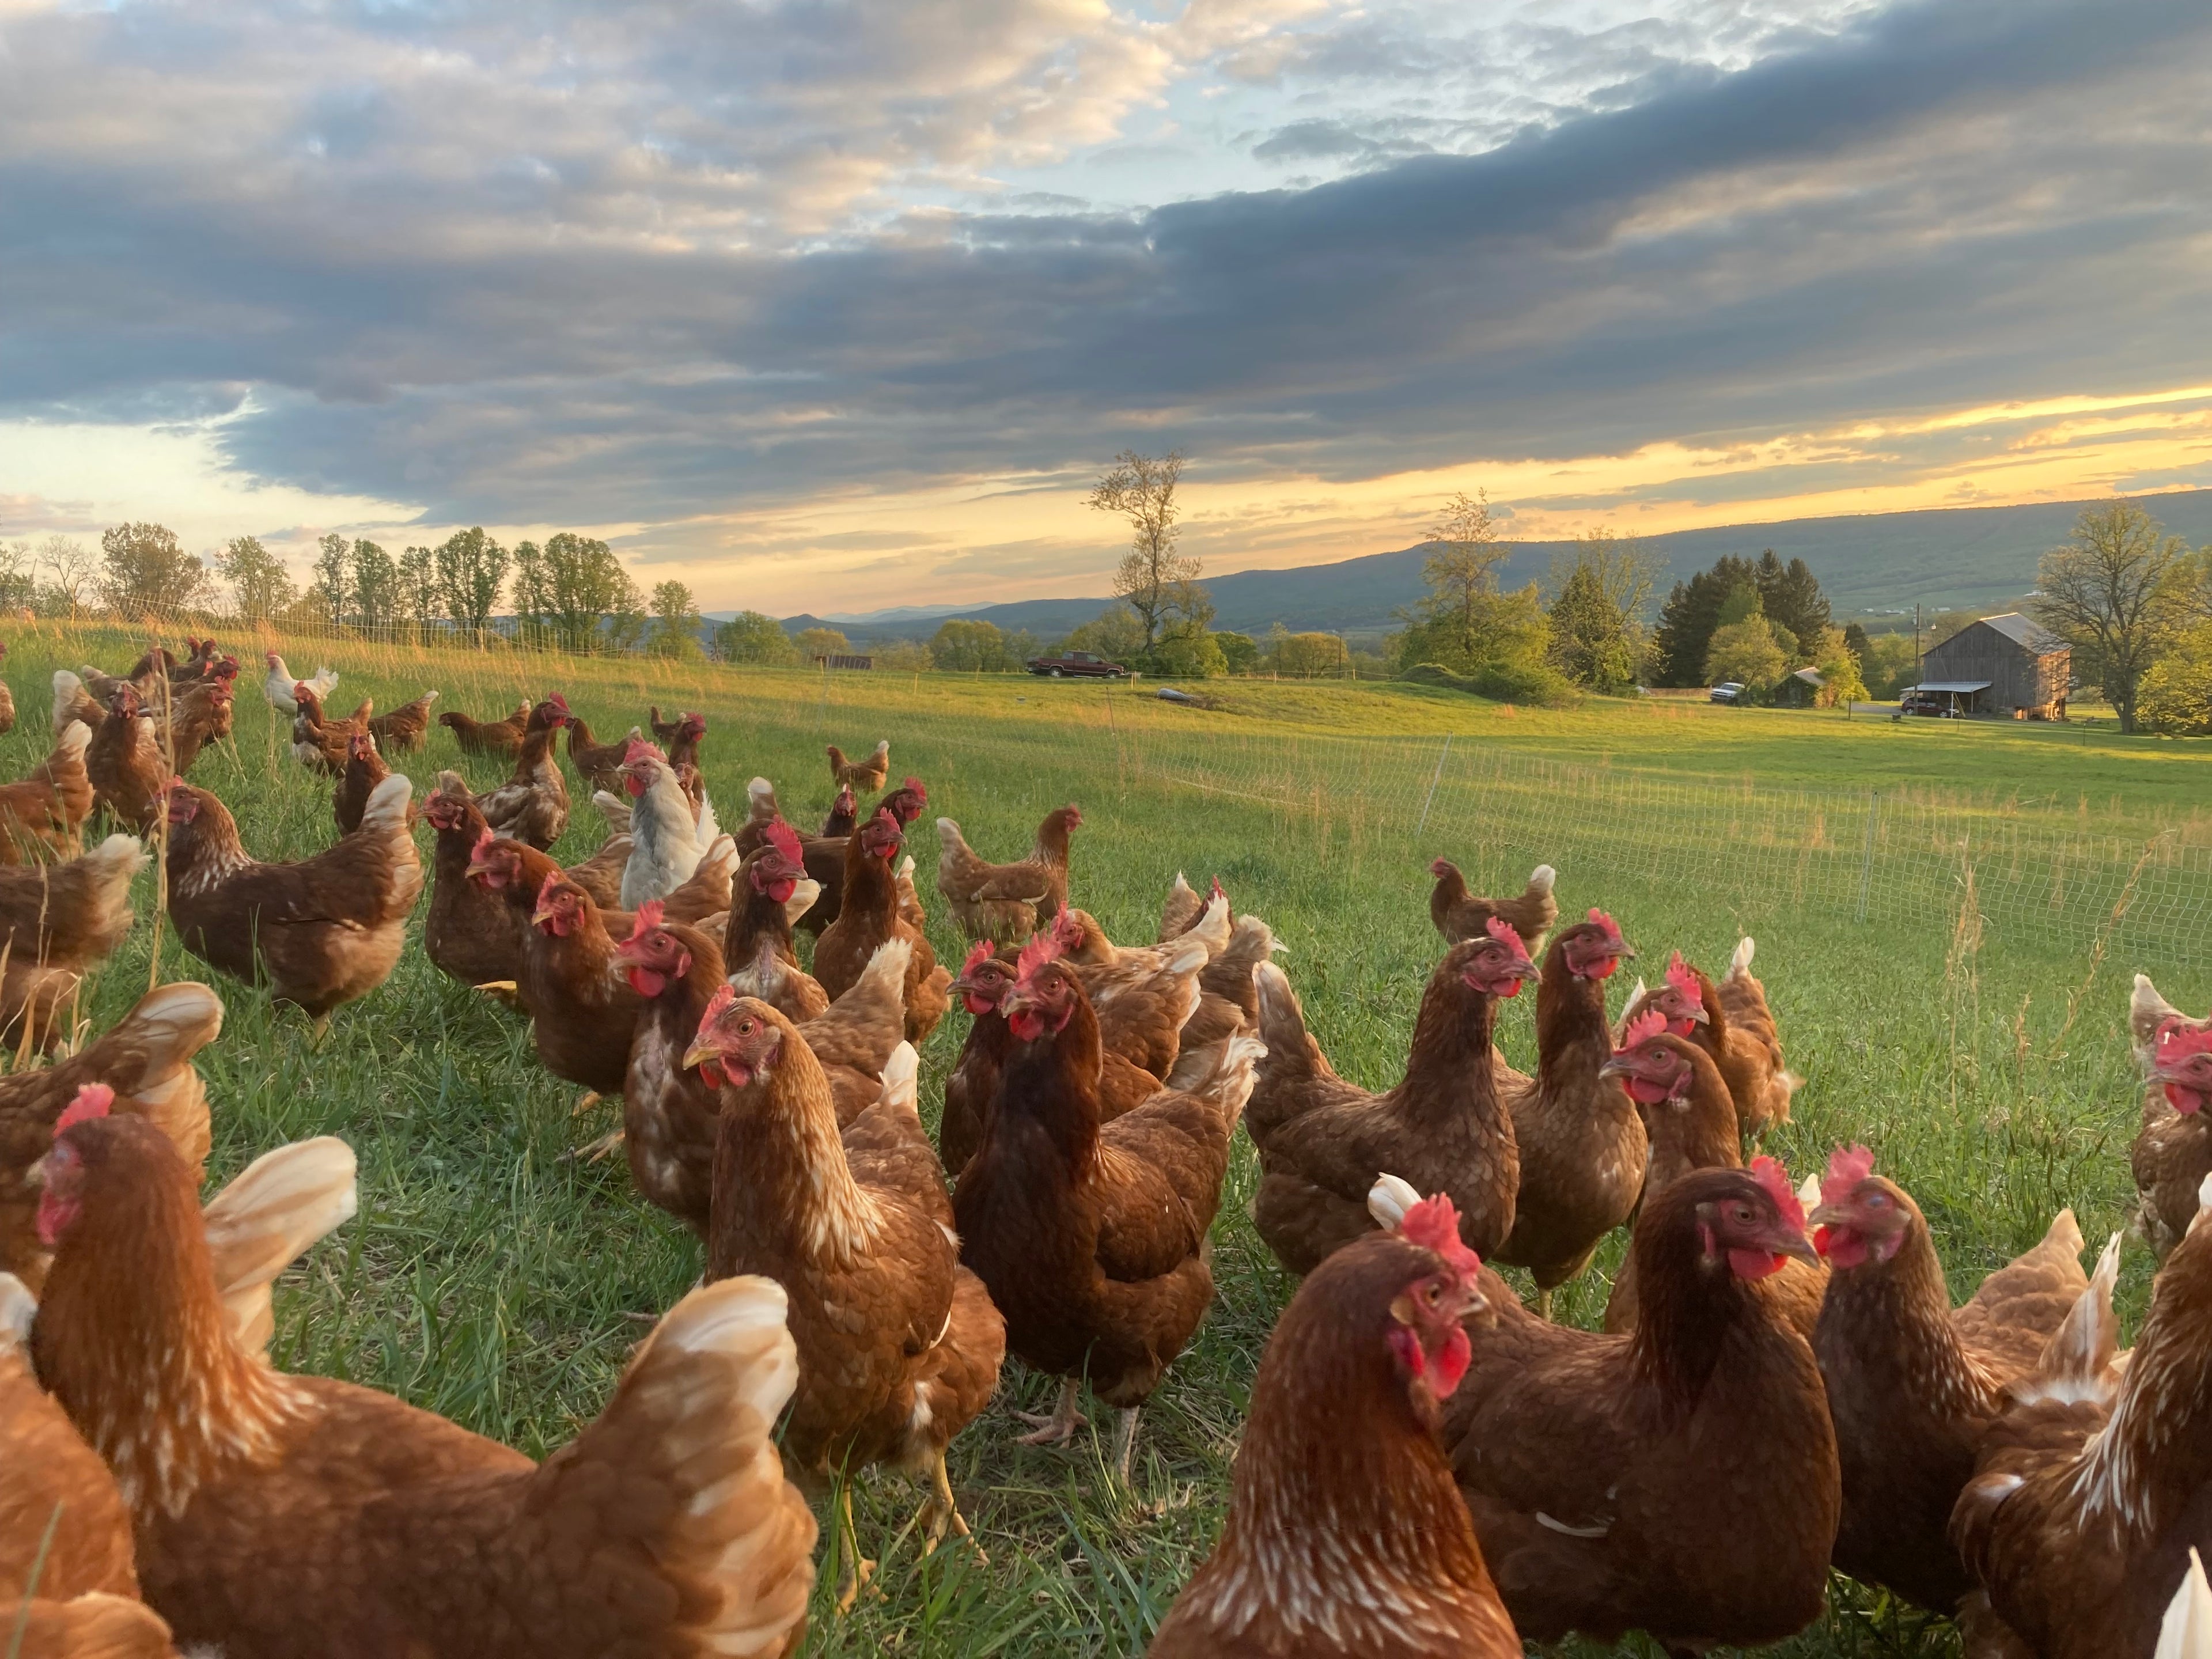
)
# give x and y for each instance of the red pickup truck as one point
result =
(1078, 662)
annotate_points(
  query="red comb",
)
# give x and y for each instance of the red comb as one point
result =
(639, 749)
(1641, 1030)
(1847, 1167)
(1218, 892)
(1684, 978)
(1442, 867)
(485, 841)
(1066, 931)
(2177, 1039)
(647, 917)
(559, 702)
(913, 784)
(1606, 924)
(976, 958)
(1433, 1224)
(552, 880)
(785, 839)
(1037, 953)
(1769, 1173)
(724, 994)
(93, 1100)
(1501, 931)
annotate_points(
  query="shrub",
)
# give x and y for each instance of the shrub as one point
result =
(2175, 698)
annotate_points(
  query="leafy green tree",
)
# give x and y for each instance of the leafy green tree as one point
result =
(333, 584)
(147, 573)
(2108, 594)
(1190, 652)
(1240, 652)
(1692, 612)
(675, 622)
(1115, 634)
(19, 582)
(375, 586)
(904, 657)
(1462, 575)
(963, 645)
(573, 595)
(471, 570)
(1748, 653)
(418, 589)
(752, 636)
(262, 588)
(1839, 667)
(1158, 585)
(1305, 656)
(2175, 697)
(1855, 638)
(823, 642)
(1597, 635)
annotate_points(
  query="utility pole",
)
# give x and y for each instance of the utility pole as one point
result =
(1916, 640)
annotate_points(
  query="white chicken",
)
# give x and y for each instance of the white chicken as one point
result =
(278, 688)
(667, 838)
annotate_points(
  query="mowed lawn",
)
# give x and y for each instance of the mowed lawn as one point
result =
(493, 1278)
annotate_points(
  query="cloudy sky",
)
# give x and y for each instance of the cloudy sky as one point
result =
(834, 304)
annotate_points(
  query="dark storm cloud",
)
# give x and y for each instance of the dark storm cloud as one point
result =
(1956, 201)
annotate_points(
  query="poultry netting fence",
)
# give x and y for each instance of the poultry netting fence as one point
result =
(2042, 875)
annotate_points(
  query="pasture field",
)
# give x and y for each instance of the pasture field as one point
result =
(1970, 1028)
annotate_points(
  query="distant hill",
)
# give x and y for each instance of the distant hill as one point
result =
(1944, 558)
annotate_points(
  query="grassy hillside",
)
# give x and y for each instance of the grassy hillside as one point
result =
(1952, 557)
(1976, 1042)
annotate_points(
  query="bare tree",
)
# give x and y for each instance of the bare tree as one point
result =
(72, 566)
(2107, 594)
(1159, 584)
(1462, 573)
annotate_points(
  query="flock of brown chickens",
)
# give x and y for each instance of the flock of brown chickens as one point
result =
(1429, 1466)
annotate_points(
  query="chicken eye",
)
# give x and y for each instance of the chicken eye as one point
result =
(1877, 1200)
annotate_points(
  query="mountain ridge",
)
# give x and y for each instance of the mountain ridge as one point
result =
(1942, 557)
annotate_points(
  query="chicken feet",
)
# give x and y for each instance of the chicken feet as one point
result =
(943, 1512)
(1059, 1427)
(854, 1570)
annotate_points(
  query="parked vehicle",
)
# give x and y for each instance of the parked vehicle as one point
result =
(1727, 691)
(1079, 663)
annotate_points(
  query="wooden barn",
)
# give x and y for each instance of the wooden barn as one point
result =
(2001, 666)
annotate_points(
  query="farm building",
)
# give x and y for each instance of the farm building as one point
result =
(1802, 689)
(2003, 666)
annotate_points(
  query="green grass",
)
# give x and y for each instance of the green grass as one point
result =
(490, 1277)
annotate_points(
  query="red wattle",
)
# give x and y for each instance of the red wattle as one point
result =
(1754, 1264)
(2184, 1101)
(1646, 1092)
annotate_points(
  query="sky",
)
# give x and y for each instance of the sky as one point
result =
(829, 305)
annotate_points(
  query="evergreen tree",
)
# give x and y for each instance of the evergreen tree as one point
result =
(1794, 603)
(1691, 614)
(1854, 641)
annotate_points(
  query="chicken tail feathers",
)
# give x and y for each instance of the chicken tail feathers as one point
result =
(387, 811)
(1291, 1061)
(2076, 1364)
(902, 1081)
(695, 1416)
(68, 688)
(266, 1218)
(1739, 963)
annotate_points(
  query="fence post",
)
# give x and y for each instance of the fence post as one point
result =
(1433, 783)
(1866, 857)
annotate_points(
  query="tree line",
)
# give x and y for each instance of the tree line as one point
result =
(570, 593)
